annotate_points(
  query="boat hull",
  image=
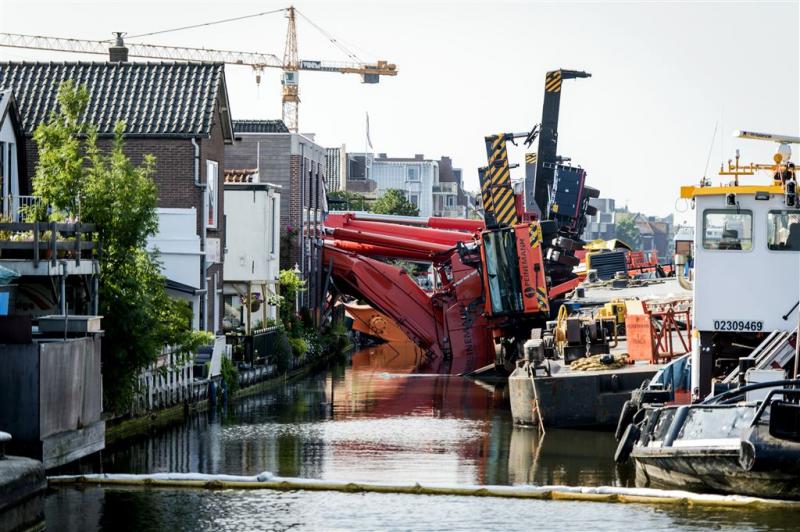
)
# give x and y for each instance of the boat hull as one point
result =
(717, 470)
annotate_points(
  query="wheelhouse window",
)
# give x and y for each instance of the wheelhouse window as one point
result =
(783, 230)
(728, 230)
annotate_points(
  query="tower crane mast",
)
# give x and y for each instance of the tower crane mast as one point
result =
(291, 67)
(291, 64)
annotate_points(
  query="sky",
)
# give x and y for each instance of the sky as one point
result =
(665, 76)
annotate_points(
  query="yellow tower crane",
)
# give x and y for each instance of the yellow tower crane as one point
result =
(291, 64)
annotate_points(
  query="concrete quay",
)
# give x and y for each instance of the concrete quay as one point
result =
(22, 485)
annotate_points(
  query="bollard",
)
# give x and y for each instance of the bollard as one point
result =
(5, 437)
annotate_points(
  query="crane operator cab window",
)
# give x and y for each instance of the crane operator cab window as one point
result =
(728, 230)
(783, 230)
(502, 272)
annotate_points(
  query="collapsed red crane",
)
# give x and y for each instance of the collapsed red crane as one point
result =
(485, 289)
(494, 280)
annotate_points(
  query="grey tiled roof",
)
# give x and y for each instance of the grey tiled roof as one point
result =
(154, 99)
(259, 126)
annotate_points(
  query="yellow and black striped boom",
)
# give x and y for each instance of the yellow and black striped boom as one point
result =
(497, 194)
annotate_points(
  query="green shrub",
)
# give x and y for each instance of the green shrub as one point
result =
(299, 346)
(230, 374)
(283, 352)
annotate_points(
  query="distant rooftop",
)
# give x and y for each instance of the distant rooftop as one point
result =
(259, 126)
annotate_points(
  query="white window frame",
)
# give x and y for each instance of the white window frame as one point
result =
(212, 203)
(713, 245)
(273, 241)
(416, 178)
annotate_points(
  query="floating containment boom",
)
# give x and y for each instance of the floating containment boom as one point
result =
(267, 481)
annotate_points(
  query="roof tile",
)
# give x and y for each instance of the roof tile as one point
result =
(259, 126)
(154, 99)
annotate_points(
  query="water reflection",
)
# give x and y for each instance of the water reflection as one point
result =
(371, 418)
(177, 510)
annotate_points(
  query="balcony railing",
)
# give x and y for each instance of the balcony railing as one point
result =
(39, 241)
(14, 207)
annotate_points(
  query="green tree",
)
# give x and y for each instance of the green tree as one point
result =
(60, 177)
(394, 201)
(627, 232)
(76, 178)
(291, 285)
(353, 201)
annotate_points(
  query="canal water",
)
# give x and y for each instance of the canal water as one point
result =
(372, 418)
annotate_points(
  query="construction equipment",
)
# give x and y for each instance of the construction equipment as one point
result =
(290, 64)
(658, 330)
(495, 283)
(578, 335)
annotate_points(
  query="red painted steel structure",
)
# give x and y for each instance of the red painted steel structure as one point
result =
(494, 279)
(454, 322)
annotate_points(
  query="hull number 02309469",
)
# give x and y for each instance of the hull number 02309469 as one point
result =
(738, 325)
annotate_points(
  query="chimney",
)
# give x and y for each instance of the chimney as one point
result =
(118, 53)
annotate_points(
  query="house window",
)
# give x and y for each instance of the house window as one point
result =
(412, 173)
(728, 229)
(783, 230)
(212, 176)
(414, 199)
(451, 201)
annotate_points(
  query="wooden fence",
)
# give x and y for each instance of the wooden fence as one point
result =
(171, 381)
(167, 382)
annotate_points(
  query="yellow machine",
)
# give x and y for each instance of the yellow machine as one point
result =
(614, 309)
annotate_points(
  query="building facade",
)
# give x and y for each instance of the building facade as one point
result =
(435, 187)
(602, 225)
(336, 169)
(12, 156)
(177, 112)
(296, 163)
(252, 256)
(449, 198)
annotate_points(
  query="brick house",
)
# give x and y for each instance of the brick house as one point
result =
(296, 163)
(179, 113)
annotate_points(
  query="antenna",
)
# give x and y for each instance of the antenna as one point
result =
(784, 150)
(710, 149)
(781, 139)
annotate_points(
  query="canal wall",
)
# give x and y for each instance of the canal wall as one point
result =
(51, 399)
(120, 429)
(22, 484)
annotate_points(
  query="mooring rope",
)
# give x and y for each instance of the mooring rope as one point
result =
(267, 481)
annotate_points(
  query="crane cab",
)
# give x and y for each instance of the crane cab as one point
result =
(746, 268)
(514, 276)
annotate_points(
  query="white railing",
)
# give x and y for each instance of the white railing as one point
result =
(167, 382)
(16, 206)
